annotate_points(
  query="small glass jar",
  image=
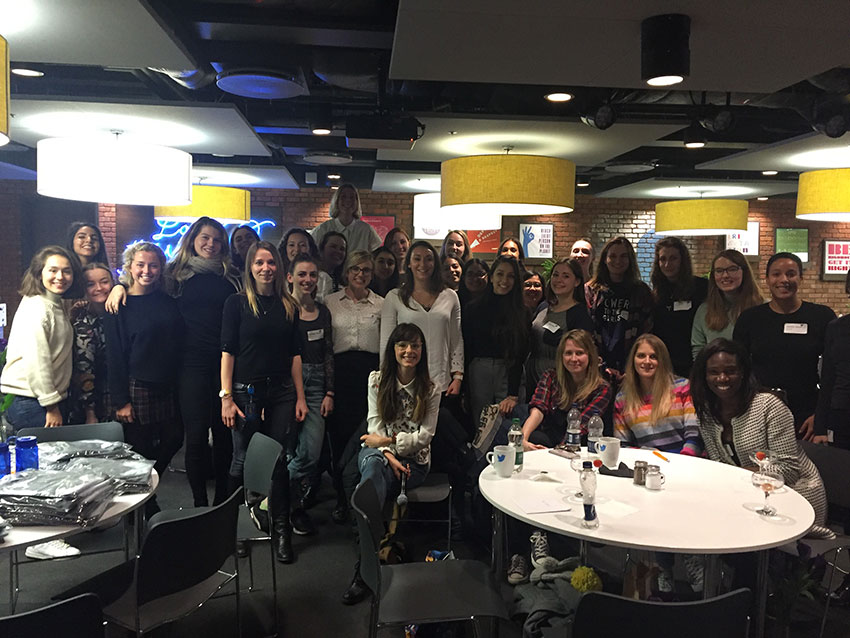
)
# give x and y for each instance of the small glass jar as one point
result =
(26, 449)
(640, 472)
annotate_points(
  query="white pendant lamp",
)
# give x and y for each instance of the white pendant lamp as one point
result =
(427, 213)
(113, 170)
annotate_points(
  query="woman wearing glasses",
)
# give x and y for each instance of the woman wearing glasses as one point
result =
(731, 290)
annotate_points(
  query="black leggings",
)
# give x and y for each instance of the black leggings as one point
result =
(201, 410)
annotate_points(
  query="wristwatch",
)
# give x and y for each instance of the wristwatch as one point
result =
(223, 393)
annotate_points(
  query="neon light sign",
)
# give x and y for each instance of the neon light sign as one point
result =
(171, 232)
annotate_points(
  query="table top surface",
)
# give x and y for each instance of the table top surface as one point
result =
(704, 507)
(24, 536)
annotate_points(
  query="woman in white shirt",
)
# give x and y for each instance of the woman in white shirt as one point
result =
(356, 319)
(423, 299)
(345, 219)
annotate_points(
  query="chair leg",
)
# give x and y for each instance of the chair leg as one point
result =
(274, 588)
(449, 522)
(238, 597)
(373, 617)
(250, 566)
(829, 592)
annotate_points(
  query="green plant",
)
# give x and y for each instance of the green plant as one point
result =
(792, 578)
(546, 268)
(5, 399)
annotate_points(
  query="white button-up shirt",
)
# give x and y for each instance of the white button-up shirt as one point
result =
(356, 324)
(358, 234)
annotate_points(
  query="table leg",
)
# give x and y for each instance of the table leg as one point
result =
(761, 591)
(582, 552)
(497, 551)
(711, 576)
(13, 581)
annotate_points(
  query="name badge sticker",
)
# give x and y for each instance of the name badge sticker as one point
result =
(682, 305)
(315, 335)
(551, 326)
(796, 329)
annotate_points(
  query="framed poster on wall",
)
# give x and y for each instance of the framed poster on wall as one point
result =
(381, 223)
(537, 240)
(836, 260)
(747, 242)
(793, 240)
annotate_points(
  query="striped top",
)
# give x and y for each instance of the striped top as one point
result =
(677, 432)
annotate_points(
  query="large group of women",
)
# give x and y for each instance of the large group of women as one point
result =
(235, 335)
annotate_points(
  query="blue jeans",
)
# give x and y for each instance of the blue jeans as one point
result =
(26, 412)
(374, 465)
(305, 441)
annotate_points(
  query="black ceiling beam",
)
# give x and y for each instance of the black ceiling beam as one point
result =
(317, 36)
(383, 17)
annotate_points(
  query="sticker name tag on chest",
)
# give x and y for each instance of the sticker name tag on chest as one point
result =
(551, 326)
(796, 328)
(315, 335)
(682, 305)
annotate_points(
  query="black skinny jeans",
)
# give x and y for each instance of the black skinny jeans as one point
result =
(201, 410)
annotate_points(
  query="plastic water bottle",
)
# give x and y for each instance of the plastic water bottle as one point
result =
(594, 432)
(587, 480)
(573, 439)
(515, 439)
(26, 453)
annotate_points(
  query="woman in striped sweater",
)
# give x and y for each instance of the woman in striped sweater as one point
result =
(654, 408)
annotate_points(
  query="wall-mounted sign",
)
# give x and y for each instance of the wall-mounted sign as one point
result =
(484, 241)
(793, 240)
(836, 260)
(381, 223)
(747, 242)
(537, 240)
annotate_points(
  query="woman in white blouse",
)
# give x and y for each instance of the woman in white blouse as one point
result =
(356, 320)
(424, 300)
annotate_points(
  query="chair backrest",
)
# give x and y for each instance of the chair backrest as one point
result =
(178, 553)
(108, 431)
(260, 459)
(832, 463)
(601, 615)
(81, 616)
(370, 530)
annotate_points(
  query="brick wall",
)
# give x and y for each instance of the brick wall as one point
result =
(598, 218)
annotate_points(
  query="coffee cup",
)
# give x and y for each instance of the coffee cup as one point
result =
(608, 450)
(502, 459)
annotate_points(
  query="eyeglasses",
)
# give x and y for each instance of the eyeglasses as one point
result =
(357, 270)
(404, 345)
(731, 270)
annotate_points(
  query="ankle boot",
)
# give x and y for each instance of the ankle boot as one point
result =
(279, 512)
(282, 539)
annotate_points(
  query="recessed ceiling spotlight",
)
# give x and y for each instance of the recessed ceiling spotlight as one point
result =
(222, 154)
(334, 188)
(769, 174)
(334, 176)
(559, 97)
(665, 54)
(762, 199)
(452, 132)
(583, 182)
(28, 73)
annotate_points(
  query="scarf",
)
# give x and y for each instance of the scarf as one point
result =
(200, 266)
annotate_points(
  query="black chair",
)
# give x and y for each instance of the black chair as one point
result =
(435, 489)
(832, 464)
(601, 615)
(419, 593)
(180, 566)
(107, 431)
(81, 617)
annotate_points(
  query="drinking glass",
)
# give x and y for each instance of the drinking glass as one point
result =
(767, 482)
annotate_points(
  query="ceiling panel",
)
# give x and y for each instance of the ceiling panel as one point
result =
(664, 188)
(112, 33)
(245, 176)
(735, 46)
(806, 152)
(209, 128)
(405, 182)
(575, 141)
(13, 171)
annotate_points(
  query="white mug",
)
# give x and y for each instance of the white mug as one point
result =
(654, 478)
(502, 459)
(608, 449)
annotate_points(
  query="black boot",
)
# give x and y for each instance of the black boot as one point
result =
(282, 539)
(357, 590)
(279, 512)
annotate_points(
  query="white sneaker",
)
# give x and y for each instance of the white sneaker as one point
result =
(518, 571)
(539, 547)
(52, 549)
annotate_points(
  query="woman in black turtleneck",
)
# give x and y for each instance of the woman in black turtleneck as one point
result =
(495, 337)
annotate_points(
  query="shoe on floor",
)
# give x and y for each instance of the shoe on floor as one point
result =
(260, 518)
(518, 570)
(539, 547)
(52, 549)
(356, 592)
(665, 581)
(302, 524)
(340, 513)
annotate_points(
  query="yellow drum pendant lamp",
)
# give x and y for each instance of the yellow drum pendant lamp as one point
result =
(508, 185)
(227, 205)
(690, 217)
(4, 91)
(824, 196)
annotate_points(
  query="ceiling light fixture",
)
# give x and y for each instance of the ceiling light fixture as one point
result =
(833, 126)
(427, 213)
(559, 97)
(603, 118)
(697, 217)
(113, 170)
(4, 91)
(508, 184)
(665, 54)
(769, 173)
(227, 205)
(583, 182)
(693, 137)
(824, 196)
(28, 73)
(762, 199)
(334, 176)
(321, 119)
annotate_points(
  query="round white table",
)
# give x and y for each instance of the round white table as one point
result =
(704, 507)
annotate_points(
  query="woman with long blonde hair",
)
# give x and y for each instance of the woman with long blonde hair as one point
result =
(654, 408)
(574, 382)
(732, 289)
